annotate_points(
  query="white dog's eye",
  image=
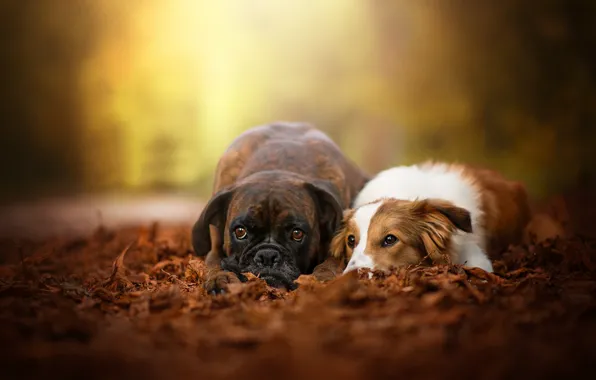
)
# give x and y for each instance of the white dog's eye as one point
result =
(351, 241)
(389, 240)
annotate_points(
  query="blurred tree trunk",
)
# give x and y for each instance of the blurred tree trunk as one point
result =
(42, 46)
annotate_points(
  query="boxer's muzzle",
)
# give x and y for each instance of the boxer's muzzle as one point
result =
(272, 262)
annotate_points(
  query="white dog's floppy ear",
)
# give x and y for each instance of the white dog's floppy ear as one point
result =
(459, 217)
(337, 248)
(441, 218)
(214, 214)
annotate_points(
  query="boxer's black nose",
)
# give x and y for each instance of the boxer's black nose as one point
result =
(267, 257)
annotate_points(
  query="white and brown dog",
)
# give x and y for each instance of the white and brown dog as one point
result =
(432, 213)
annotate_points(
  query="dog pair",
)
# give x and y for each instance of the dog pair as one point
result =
(287, 202)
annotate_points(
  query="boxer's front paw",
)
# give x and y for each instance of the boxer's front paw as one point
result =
(219, 281)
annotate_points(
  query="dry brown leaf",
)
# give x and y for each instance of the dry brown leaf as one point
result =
(540, 305)
(480, 298)
(235, 288)
(250, 276)
(194, 270)
(118, 279)
(306, 280)
(141, 278)
(175, 261)
(482, 274)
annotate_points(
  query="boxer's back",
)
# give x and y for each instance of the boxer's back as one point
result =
(294, 147)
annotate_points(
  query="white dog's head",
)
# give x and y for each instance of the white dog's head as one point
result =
(395, 233)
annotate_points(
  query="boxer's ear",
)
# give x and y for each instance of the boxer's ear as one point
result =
(213, 214)
(329, 206)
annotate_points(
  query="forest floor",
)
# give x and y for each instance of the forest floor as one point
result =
(128, 303)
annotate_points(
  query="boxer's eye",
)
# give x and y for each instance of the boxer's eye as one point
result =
(389, 241)
(240, 233)
(351, 241)
(297, 234)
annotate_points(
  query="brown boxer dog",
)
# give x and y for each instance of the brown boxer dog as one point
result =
(278, 197)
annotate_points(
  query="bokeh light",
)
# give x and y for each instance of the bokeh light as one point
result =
(146, 95)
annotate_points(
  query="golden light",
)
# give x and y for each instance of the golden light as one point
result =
(170, 84)
(192, 74)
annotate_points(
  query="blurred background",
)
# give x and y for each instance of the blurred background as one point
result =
(141, 97)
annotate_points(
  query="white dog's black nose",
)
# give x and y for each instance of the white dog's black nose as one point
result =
(267, 257)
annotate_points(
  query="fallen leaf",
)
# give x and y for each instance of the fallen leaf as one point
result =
(118, 279)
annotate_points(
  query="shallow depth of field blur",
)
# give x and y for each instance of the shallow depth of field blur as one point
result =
(139, 97)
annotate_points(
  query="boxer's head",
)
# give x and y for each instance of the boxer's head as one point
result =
(274, 225)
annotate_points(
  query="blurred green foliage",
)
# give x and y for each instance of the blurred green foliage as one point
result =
(145, 95)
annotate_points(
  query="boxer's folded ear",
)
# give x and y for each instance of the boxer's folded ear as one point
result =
(329, 206)
(214, 214)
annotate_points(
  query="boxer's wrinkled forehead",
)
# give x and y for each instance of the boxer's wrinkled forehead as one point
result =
(269, 206)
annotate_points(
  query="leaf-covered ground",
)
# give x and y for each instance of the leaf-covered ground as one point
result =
(129, 303)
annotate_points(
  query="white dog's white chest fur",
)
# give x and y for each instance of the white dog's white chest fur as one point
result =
(410, 183)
